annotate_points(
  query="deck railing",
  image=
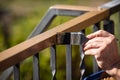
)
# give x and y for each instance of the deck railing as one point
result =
(40, 39)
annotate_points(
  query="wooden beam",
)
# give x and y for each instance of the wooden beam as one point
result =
(27, 48)
(72, 7)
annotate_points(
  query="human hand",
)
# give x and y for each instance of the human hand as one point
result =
(103, 46)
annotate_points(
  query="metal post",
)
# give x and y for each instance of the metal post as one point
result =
(36, 69)
(73, 38)
(96, 27)
(6, 74)
(68, 62)
(53, 61)
(95, 66)
(82, 56)
(78, 38)
(118, 30)
(82, 64)
(119, 17)
(109, 26)
(17, 72)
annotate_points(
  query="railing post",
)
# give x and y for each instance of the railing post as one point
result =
(82, 62)
(95, 66)
(119, 18)
(68, 62)
(36, 68)
(16, 72)
(109, 26)
(96, 27)
(53, 61)
(73, 38)
(6, 74)
(119, 29)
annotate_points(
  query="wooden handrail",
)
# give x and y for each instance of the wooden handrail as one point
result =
(77, 8)
(27, 48)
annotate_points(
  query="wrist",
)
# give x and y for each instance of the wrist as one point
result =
(114, 71)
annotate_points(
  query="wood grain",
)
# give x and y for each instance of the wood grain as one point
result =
(28, 48)
(73, 7)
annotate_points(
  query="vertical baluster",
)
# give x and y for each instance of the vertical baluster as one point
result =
(82, 56)
(82, 64)
(109, 26)
(119, 18)
(118, 27)
(68, 62)
(53, 61)
(95, 66)
(41, 27)
(16, 72)
(36, 68)
(96, 26)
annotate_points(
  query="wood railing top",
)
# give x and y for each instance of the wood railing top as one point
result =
(72, 7)
(29, 47)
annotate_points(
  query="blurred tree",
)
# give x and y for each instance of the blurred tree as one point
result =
(5, 21)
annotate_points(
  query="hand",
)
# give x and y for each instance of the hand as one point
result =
(103, 46)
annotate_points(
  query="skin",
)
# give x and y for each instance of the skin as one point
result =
(103, 46)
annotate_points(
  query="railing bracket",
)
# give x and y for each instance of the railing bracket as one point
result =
(72, 38)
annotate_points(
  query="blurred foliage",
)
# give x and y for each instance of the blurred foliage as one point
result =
(25, 15)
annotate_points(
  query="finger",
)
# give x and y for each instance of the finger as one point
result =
(97, 40)
(91, 52)
(94, 45)
(100, 33)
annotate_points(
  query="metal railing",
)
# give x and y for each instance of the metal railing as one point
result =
(41, 39)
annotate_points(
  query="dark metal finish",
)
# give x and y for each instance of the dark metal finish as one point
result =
(62, 12)
(45, 22)
(119, 18)
(73, 38)
(96, 27)
(82, 63)
(83, 39)
(36, 69)
(17, 72)
(113, 6)
(53, 61)
(68, 62)
(48, 18)
(109, 26)
(76, 38)
(51, 14)
(6, 74)
(41, 27)
(63, 38)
